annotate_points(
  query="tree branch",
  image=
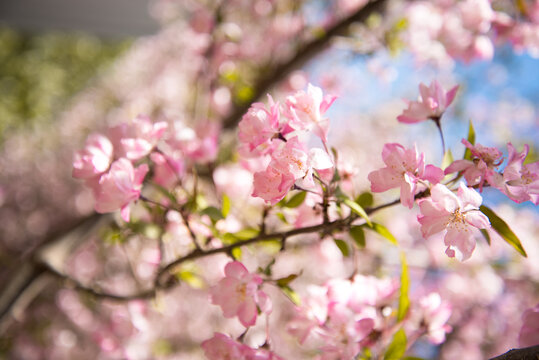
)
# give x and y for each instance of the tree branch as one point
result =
(529, 353)
(303, 55)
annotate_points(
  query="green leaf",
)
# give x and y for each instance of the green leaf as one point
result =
(471, 139)
(296, 200)
(382, 230)
(365, 199)
(486, 235)
(287, 280)
(356, 208)
(226, 205)
(281, 217)
(397, 348)
(447, 160)
(191, 278)
(236, 253)
(214, 213)
(357, 233)
(404, 300)
(291, 294)
(246, 234)
(503, 229)
(343, 246)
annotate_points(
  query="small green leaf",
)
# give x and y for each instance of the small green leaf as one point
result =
(343, 246)
(382, 230)
(226, 205)
(236, 253)
(281, 217)
(471, 139)
(287, 280)
(291, 294)
(365, 199)
(486, 235)
(190, 278)
(397, 348)
(404, 300)
(214, 213)
(448, 159)
(357, 233)
(503, 229)
(296, 200)
(356, 208)
(246, 234)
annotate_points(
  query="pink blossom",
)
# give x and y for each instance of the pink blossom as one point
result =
(435, 316)
(457, 215)
(119, 187)
(258, 127)
(238, 294)
(405, 169)
(521, 181)
(166, 170)
(139, 138)
(94, 159)
(272, 185)
(198, 144)
(293, 158)
(222, 347)
(529, 333)
(306, 109)
(432, 103)
(481, 167)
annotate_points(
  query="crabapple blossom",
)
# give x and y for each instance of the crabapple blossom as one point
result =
(222, 347)
(455, 214)
(293, 158)
(258, 127)
(405, 169)
(272, 185)
(238, 294)
(140, 136)
(306, 109)
(481, 167)
(166, 170)
(432, 103)
(435, 315)
(119, 187)
(529, 333)
(521, 180)
(94, 159)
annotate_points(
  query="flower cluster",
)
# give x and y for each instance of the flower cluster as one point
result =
(238, 294)
(274, 135)
(344, 317)
(221, 347)
(115, 166)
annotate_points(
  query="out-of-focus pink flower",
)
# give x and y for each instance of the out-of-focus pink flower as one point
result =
(521, 181)
(272, 185)
(166, 170)
(238, 294)
(432, 103)
(435, 316)
(198, 144)
(529, 333)
(139, 138)
(306, 109)
(405, 168)
(222, 347)
(258, 127)
(481, 167)
(456, 214)
(94, 159)
(119, 187)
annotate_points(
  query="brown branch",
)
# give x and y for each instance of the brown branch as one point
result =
(302, 56)
(529, 353)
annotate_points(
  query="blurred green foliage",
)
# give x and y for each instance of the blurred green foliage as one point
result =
(39, 73)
